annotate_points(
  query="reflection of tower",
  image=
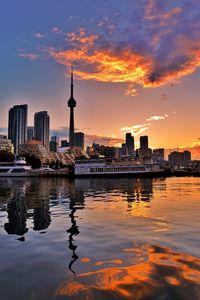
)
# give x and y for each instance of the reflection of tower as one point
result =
(71, 104)
(76, 198)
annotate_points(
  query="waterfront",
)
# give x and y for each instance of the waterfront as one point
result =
(100, 238)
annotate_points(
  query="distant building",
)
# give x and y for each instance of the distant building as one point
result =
(179, 158)
(30, 133)
(144, 150)
(6, 145)
(17, 125)
(187, 156)
(41, 127)
(79, 139)
(54, 143)
(3, 137)
(130, 143)
(158, 155)
(64, 143)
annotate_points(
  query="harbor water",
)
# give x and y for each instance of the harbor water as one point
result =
(99, 238)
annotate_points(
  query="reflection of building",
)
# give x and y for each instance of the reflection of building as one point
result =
(41, 127)
(17, 209)
(22, 200)
(41, 216)
(17, 125)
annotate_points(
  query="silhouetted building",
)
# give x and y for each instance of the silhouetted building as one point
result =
(79, 139)
(54, 143)
(130, 143)
(41, 127)
(17, 125)
(158, 155)
(71, 105)
(186, 156)
(30, 133)
(3, 137)
(64, 143)
(144, 150)
(179, 158)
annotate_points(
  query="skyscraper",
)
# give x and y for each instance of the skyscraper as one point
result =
(17, 125)
(144, 150)
(41, 127)
(54, 143)
(129, 143)
(30, 133)
(71, 105)
(79, 139)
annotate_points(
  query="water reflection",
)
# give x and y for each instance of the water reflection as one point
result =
(76, 202)
(155, 273)
(92, 225)
(21, 199)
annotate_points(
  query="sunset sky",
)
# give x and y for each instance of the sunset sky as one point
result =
(136, 66)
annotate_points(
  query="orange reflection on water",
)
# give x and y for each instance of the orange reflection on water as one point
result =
(162, 271)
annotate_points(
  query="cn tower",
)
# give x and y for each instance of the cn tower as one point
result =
(71, 105)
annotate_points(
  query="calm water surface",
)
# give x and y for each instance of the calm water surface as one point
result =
(96, 239)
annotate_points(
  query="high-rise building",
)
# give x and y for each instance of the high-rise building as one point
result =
(17, 125)
(179, 158)
(71, 105)
(158, 155)
(79, 139)
(144, 150)
(41, 127)
(30, 133)
(130, 143)
(54, 143)
(186, 156)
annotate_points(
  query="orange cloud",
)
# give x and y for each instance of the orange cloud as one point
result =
(135, 129)
(104, 61)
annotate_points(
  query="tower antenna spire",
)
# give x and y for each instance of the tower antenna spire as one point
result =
(72, 81)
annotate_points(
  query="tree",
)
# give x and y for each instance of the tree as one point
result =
(33, 161)
(6, 156)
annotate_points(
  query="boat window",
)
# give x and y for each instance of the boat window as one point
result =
(18, 171)
(4, 170)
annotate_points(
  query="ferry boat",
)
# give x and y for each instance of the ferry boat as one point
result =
(100, 167)
(18, 168)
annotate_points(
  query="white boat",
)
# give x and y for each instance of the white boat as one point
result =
(99, 167)
(18, 168)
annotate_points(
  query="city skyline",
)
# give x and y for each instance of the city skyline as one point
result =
(121, 97)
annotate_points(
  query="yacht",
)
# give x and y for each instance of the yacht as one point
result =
(100, 167)
(17, 168)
